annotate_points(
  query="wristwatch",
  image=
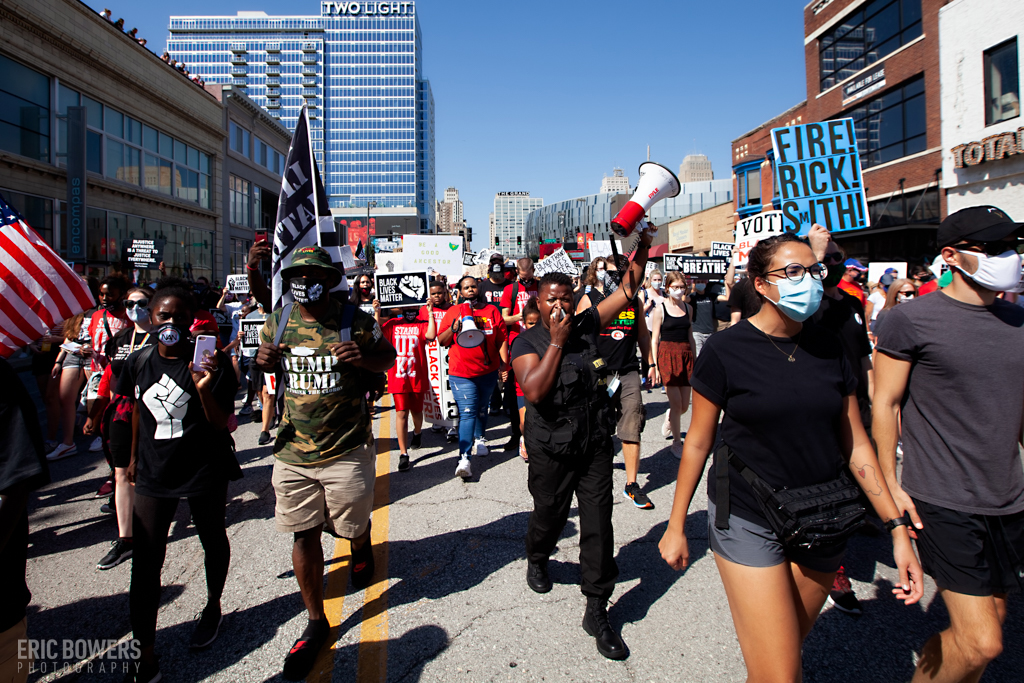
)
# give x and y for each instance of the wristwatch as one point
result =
(897, 521)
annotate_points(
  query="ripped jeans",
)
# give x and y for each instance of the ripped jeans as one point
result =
(472, 394)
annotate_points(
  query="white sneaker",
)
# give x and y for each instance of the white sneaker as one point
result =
(97, 445)
(677, 450)
(464, 470)
(480, 447)
(61, 452)
(666, 429)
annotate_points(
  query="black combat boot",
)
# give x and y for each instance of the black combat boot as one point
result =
(595, 623)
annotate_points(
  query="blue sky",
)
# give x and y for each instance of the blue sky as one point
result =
(550, 96)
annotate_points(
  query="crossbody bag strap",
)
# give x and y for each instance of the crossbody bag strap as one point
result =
(286, 313)
(345, 331)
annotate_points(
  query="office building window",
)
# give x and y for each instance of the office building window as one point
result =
(748, 191)
(1002, 83)
(892, 125)
(866, 36)
(25, 115)
(239, 254)
(239, 198)
(240, 140)
(905, 209)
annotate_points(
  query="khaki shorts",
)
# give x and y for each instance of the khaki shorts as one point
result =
(338, 495)
(13, 668)
(631, 420)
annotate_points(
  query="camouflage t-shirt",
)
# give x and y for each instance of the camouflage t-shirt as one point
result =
(324, 417)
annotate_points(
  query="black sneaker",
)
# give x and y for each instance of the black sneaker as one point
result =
(453, 435)
(362, 565)
(537, 577)
(264, 438)
(140, 672)
(207, 628)
(403, 463)
(639, 498)
(301, 658)
(417, 440)
(120, 550)
(841, 596)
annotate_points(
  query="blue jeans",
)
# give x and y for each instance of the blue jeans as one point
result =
(472, 394)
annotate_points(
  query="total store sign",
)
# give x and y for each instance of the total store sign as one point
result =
(367, 9)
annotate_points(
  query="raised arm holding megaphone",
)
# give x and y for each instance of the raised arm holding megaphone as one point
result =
(656, 183)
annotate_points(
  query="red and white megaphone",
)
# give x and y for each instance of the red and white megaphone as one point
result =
(656, 183)
(470, 336)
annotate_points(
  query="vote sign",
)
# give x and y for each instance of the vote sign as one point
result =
(401, 290)
(699, 267)
(752, 230)
(818, 172)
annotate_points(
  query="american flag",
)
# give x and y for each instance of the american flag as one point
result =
(37, 288)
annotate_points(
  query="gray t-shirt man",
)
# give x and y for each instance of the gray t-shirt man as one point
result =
(962, 409)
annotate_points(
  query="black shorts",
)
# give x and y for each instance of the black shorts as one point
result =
(255, 375)
(969, 553)
(120, 443)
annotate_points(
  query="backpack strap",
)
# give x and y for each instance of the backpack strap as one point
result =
(347, 314)
(286, 313)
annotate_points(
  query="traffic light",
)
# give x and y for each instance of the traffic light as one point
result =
(497, 241)
(519, 240)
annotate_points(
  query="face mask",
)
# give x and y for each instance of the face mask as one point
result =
(901, 297)
(306, 290)
(137, 314)
(946, 280)
(200, 287)
(656, 285)
(676, 292)
(700, 287)
(497, 268)
(170, 334)
(410, 315)
(798, 300)
(996, 273)
(833, 277)
(526, 280)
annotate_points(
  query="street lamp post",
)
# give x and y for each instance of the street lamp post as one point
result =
(369, 205)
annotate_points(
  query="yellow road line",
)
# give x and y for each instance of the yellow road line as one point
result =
(373, 641)
(334, 602)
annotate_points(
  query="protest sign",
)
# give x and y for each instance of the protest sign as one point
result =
(557, 262)
(600, 248)
(819, 177)
(143, 253)
(237, 284)
(752, 230)
(399, 290)
(721, 249)
(651, 265)
(699, 267)
(221, 318)
(469, 259)
(876, 269)
(390, 263)
(386, 245)
(433, 252)
(251, 332)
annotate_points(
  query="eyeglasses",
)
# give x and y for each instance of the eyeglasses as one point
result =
(990, 248)
(141, 303)
(795, 272)
(834, 257)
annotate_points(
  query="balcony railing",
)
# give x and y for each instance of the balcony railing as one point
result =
(309, 47)
(273, 47)
(238, 48)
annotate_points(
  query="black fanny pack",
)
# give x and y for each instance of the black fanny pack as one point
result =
(806, 516)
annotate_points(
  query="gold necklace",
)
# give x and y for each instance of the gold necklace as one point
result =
(789, 356)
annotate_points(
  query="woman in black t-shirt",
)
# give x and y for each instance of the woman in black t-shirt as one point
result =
(182, 450)
(791, 415)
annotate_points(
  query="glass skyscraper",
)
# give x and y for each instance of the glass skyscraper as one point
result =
(357, 68)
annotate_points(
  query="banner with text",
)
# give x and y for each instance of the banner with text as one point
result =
(251, 333)
(699, 267)
(439, 405)
(721, 249)
(752, 230)
(401, 290)
(557, 262)
(143, 253)
(817, 166)
(434, 253)
(237, 284)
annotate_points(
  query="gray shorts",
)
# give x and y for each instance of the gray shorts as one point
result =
(753, 545)
(73, 361)
(630, 422)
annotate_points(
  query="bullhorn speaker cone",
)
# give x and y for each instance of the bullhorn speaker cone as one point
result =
(470, 336)
(656, 183)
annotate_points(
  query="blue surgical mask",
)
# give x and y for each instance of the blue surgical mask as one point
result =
(798, 300)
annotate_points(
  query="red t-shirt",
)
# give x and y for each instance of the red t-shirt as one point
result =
(409, 373)
(853, 289)
(928, 287)
(483, 359)
(523, 294)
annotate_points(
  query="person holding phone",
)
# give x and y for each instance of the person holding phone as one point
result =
(181, 449)
(570, 416)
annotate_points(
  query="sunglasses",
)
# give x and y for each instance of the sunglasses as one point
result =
(833, 257)
(989, 248)
(141, 303)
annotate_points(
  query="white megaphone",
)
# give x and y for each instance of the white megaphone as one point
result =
(469, 336)
(656, 183)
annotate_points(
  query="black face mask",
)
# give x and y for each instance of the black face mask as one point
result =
(200, 288)
(526, 281)
(833, 277)
(497, 268)
(410, 315)
(170, 334)
(306, 290)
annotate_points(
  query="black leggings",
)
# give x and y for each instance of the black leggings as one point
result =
(151, 524)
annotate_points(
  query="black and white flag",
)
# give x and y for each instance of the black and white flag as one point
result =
(303, 215)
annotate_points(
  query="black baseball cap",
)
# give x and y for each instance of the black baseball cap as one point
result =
(976, 224)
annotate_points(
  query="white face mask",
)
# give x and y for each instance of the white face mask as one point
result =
(676, 292)
(656, 285)
(996, 273)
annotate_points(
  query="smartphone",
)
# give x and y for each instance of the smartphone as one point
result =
(557, 314)
(261, 235)
(206, 346)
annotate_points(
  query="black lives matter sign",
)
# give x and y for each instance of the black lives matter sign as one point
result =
(251, 332)
(401, 290)
(700, 267)
(142, 253)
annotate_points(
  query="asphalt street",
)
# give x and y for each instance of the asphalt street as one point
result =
(449, 601)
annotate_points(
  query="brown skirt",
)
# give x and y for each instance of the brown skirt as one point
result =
(675, 363)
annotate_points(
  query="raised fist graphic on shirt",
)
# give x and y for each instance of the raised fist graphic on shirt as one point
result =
(168, 402)
(412, 286)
